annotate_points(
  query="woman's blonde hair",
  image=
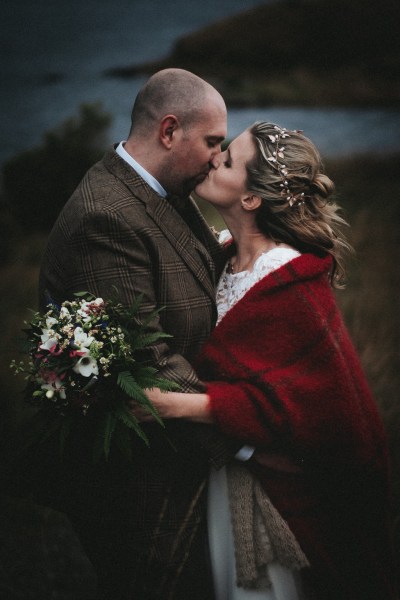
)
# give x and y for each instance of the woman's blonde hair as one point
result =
(287, 174)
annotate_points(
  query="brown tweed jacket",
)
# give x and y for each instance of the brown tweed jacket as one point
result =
(116, 231)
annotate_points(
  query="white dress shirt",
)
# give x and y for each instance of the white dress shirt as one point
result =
(152, 181)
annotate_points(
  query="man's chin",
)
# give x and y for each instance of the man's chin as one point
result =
(200, 180)
(192, 185)
(202, 177)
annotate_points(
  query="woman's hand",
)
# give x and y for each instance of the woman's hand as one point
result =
(174, 405)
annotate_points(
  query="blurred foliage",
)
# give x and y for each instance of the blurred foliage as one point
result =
(38, 182)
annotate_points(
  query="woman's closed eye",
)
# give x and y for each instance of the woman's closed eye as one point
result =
(228, 160)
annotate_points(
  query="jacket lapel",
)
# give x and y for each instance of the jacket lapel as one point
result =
(185, 242)
(167, 218)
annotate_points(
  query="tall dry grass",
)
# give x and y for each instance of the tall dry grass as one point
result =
(369, 190)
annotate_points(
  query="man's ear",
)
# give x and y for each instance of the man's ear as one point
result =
(168, 125)
(250, 202)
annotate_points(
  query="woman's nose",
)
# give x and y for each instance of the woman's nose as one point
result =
(216, 160)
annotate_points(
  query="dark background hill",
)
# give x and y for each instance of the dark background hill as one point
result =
(330, 52)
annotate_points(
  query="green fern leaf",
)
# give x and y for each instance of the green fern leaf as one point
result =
(84, 295)
(105, 428)
(166, 385)
(128, 384)
(134, 307)
(65, 430)
(147, 339)
(131, 422)
(150, 317)
(123, 439)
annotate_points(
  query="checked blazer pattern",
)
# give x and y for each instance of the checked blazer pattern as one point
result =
(116, 231)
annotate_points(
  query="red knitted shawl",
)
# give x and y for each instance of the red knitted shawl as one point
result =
(283, 376)
(283, 372)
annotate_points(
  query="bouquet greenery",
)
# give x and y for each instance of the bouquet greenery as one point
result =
(83, 360)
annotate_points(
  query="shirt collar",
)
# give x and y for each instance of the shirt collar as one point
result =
(152, 181)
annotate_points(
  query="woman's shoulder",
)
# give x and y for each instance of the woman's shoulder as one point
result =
(274, 259)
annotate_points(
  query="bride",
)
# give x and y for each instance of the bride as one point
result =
(301, 512)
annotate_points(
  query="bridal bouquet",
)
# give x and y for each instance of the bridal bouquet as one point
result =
(83, 359)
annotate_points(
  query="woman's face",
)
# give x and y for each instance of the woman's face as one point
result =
(226, 182)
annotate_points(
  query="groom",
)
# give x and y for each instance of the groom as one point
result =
(130, 224)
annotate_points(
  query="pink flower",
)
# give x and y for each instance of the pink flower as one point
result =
(55, 352)
(74, 353)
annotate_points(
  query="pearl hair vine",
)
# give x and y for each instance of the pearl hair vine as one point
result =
(276, 161)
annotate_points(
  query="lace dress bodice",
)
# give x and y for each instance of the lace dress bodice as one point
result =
(233, 286)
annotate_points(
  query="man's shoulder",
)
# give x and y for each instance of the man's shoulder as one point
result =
(110, 184)
(112, 171)
(114, 166)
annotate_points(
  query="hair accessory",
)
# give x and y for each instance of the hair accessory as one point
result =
(278, 165)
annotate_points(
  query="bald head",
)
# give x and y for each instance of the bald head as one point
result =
(172, 91)
(178, 124)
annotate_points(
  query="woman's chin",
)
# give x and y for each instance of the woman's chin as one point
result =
(200, 190)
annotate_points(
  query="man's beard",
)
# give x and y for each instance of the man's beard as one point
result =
(188, 185)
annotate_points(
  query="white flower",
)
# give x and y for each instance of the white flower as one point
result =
(99, 302)
(55, 387)
(68, 330)
(84, 315)
(82, 339)
(86, 366)
(50, 321)
(224, 236)
(65, 315)
(49, 339)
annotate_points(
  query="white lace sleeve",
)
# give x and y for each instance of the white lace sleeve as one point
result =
(233, 286)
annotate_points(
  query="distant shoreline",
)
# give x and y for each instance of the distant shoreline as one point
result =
(297, 88)
(294, 52)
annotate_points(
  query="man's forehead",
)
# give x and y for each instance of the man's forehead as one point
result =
(213, 125)
(213, 130)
